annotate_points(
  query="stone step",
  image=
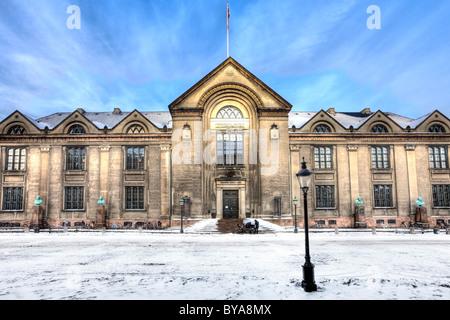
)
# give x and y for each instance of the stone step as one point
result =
(229, 225)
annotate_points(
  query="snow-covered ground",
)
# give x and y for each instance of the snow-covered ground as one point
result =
(198, 265)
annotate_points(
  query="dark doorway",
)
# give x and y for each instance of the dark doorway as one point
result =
(230, 204)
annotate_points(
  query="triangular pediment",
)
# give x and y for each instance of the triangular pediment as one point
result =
(379, 117)
(17, 118)
(230, 74)
(135, 118)
(434, 118)
(322, 117)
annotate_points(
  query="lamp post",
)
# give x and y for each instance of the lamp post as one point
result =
(304, 179)
(295, 214)
(181, 213)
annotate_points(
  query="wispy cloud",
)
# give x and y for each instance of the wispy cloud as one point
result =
(144, 54)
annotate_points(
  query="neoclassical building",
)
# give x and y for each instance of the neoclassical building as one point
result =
(230, 146)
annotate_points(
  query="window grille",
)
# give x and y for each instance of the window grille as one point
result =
(436, 128)
(17, 129)
(325, 197)
(76, 129)
(441, 195)
(383, 196)
(134, 198)
(379, 128)
(76, 159)
(74, 198)
(12, 198)
(135, 128)
(322, 128)
(229, 112)
(135, 158)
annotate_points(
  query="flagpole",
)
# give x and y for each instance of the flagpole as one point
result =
(228, 31)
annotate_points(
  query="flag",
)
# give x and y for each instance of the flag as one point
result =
(228, 17)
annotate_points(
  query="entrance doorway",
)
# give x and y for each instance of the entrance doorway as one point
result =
(230, 204)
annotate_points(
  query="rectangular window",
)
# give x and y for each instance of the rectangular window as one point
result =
(134, 198)
(16, 159)
(441, 195)
(325, 197)
(76, 159)
(12, 198)
(323, 157)
(438, 157)
(380, 158)
(230, 148)
(383, 196)
(74, 198)
(135, 158)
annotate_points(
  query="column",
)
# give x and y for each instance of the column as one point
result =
(412, 174)
(44, 181)
(104, 175)
(165, 181)
(354, 172)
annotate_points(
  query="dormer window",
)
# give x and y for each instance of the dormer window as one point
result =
(436, 128)
(379, 128)
(322, 128)
(76, 129)
(17, 129)
(135, 128)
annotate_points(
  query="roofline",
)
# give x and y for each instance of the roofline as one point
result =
(229, 60)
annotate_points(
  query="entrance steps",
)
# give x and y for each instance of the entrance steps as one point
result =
(229, 225)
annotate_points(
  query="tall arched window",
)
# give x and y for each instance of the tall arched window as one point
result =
(229, 112)
(76, 129)
(135, 128)
(379, 128)
(230, 142)
(16, 129)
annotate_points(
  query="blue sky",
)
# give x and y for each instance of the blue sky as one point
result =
(142, 55)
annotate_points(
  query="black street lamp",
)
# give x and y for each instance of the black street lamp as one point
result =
(295, 213)
(181, 213)
(304, 179)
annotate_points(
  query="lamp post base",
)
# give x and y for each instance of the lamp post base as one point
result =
(308, 283)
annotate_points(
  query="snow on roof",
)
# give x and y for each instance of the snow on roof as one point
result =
(108, 119)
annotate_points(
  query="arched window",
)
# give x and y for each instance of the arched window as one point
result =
(229, 112)
(436, 128)
(322, 128)
(76, 129)
(135, 128)
(379, 128)
(17, 129)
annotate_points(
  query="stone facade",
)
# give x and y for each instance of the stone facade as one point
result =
(232, 147)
